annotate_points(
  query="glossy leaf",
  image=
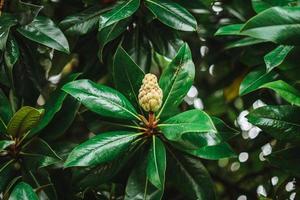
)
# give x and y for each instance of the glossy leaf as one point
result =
(256, 79)
(101, 99)
(93, 176)
(193, 121)
(244, 42)
(261, 5)
(287, 160)
(282, 122)
(54, 104)
(215, 152)
(100, 149)
(23, 191)
(285, 90)
(177, 79)
(277, 24)
(6, 111)
(122, 11)
(23, 121)
(156, 163)
(83, 22)
(172, 14)
(131, 83)
(277, 56)
(43, 30)
(110, 33)
(189, 176)
(6, 22)
(138, 186)
(12, 53)
(233, 29)
(5, 143)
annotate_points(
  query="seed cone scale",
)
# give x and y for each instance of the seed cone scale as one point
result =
(150, 94)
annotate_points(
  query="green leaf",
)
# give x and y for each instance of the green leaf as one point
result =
(172, 14)
(43, 30)
(26, 12)
(83, 22)
(5, 143)
(100, 149)
(120, 12)
(223, 129)
(54, 104)
(285, 90)
(166, 45)
(177, 79)
(23, 191)
(287, 160)
(261, 5)
(110, 33)
(156, 163)
(6, 111)
(6, 173)
(40, 179)
(62, 120)
(233, 29)
(277, 56)
(38, 154)
(282, 122)
(87, 177)
(131, 83)
(12, 53)
(215, 152)
(277, 24)
(244, 42)
(192, 121)
(23, 121)
(101, 99)
(189, 176)
(138, 186)
(255, 79)
(6, 21)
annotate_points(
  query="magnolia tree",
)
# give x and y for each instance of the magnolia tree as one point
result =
(149, 99)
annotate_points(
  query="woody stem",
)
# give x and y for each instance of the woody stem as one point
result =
(151, 119)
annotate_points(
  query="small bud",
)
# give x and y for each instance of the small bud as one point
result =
(150, 94)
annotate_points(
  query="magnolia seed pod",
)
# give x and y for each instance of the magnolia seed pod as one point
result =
(150, 94)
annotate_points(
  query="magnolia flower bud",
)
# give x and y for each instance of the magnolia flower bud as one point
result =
(150, 94)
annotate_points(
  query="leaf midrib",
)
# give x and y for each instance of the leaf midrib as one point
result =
(170, 11)
(277, 120)
(38, 29)
(112, 102)
(181, 63)
(104, 144)
(121, 8)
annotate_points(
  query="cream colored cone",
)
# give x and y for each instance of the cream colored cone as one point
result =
(150, 94)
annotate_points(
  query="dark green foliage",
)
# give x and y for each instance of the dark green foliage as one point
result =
(71, 121)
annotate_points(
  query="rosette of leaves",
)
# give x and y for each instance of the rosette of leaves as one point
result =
(22, 156)
(168, 151)
(25, 155)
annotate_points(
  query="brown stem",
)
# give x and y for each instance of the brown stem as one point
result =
(1, 6)
(144, 120)
(151, 119)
